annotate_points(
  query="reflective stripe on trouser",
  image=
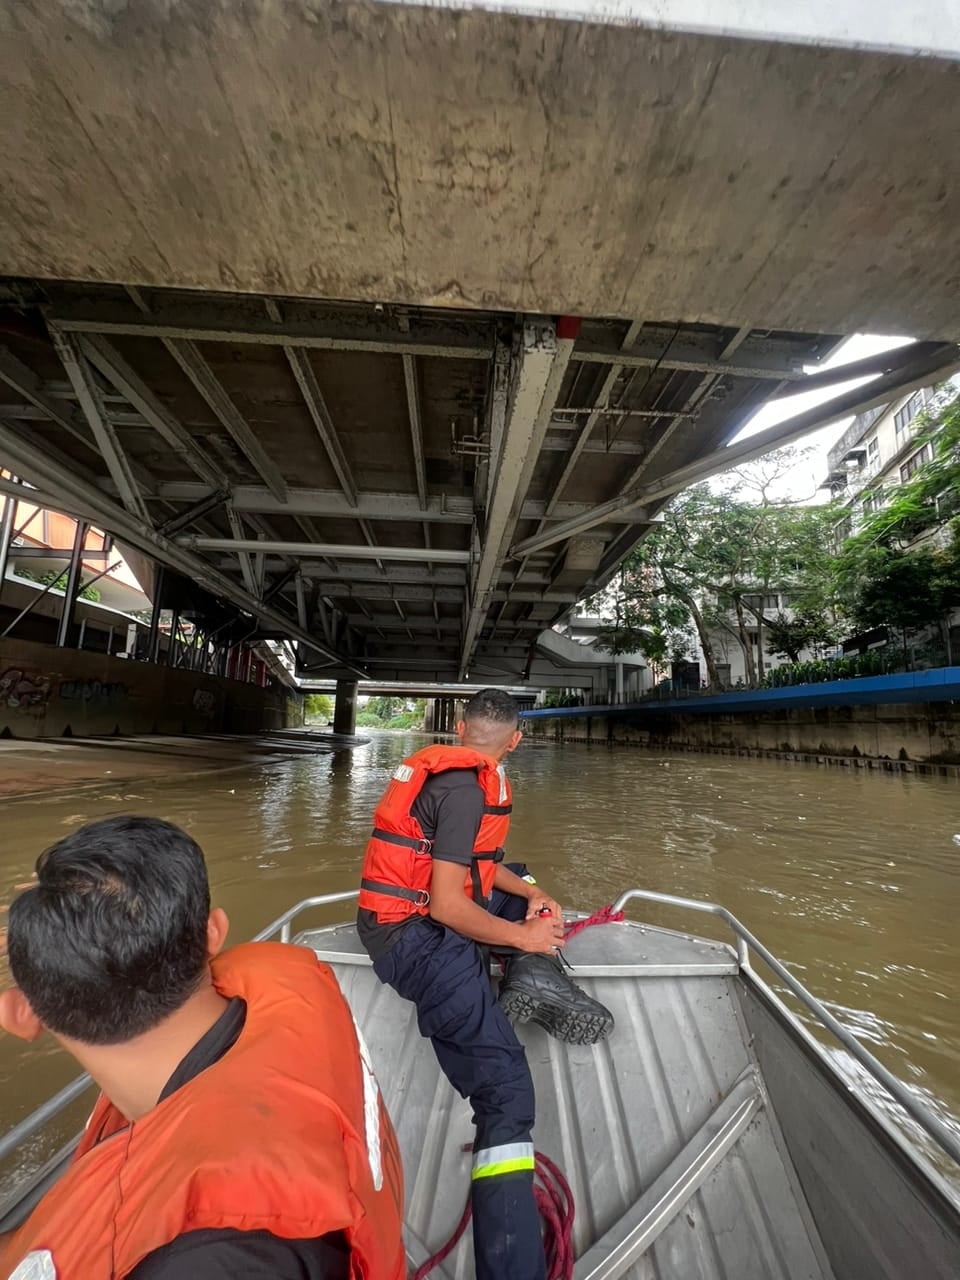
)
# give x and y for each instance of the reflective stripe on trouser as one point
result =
(510, 1157)
(478, 1051)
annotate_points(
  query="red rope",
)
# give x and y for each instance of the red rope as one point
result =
(606, 915)
(555, 1203)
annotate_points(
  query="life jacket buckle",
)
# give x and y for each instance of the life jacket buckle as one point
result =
(423, 898)
(425, 847)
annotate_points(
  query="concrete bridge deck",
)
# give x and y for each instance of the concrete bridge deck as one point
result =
(395, 326)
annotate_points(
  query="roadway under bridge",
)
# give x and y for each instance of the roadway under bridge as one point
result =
(394, 327)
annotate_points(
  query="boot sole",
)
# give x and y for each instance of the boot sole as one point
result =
(561, 1022)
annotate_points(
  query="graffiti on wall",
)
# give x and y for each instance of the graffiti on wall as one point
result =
(204, 702)
(23, 691)
(98, 691)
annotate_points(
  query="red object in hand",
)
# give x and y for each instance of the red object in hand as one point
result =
(544, 911)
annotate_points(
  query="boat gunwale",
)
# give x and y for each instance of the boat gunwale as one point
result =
(745, 942)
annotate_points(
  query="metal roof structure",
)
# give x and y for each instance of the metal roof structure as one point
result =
(407, 492)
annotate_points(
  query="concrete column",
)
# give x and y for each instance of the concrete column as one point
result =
(618, 666)
(345, 709)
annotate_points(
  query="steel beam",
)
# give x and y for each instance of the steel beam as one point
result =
(58, 553)
(241, 322)
(940, 361)
(416, 425)
(275, 547)
(84, 384)
(425, 628)
(34, 463)
(363, 574)
(676, 420)
(409, 592)
(536, 378)
(302, 370)
(6, 533)
(301, 602)
(16, 375)
(332, 504)
(868, 367)
(72, 588)
(227, 414)
(104, 356)
(603, 399)
(627, 448)
(246, 563)
(195, 512)
(694, 357)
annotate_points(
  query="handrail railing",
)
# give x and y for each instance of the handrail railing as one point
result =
(282, 923)
(746, 942)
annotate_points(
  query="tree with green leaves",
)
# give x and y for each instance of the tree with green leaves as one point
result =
(705, 566)
(318, 708)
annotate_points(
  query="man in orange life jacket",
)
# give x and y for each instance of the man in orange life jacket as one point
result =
(239, 1130)
(433, 886)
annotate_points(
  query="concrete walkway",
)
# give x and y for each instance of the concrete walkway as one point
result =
(34, 767)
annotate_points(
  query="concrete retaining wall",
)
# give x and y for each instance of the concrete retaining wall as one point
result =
(50, 693)
(914, 736)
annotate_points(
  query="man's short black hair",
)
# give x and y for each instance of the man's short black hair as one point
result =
(113, 937)
(494, 706)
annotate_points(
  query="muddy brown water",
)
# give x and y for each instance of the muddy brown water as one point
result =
(852, 878)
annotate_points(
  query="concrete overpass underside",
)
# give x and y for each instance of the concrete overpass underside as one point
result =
(396, 326)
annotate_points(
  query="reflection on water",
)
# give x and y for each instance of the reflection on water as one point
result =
(850, 877)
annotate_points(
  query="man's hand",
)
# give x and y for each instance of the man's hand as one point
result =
(542, 935)
(538, 901)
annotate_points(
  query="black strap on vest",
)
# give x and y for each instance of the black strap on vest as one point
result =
(486, 855)
(421, 845)
(419, 897)
(497, 810)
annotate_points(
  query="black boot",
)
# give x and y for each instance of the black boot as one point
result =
(535, 988)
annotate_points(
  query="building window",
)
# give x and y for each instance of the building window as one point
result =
(913, 464)
(753, 602)
(873, 501)
(873, 451)
(771, 602)
(906, 414)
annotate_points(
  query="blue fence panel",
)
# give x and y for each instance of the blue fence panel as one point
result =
(942, 684)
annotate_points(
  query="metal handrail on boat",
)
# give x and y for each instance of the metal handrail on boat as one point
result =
(746, 942)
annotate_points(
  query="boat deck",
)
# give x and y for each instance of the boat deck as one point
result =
(664, 1131)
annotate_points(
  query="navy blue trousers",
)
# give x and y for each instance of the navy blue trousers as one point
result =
(443, 974)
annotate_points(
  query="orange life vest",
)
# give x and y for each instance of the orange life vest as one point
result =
(395, 881)
(287, 1133)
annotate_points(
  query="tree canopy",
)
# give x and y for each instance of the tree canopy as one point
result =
(720, 555)
(708, 567)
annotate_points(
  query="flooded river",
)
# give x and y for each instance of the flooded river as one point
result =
(852, 877)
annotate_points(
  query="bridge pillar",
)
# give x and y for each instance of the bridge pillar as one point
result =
(345, 708)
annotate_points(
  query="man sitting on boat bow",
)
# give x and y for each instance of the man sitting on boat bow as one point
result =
(433, 886)
(239, 1130)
